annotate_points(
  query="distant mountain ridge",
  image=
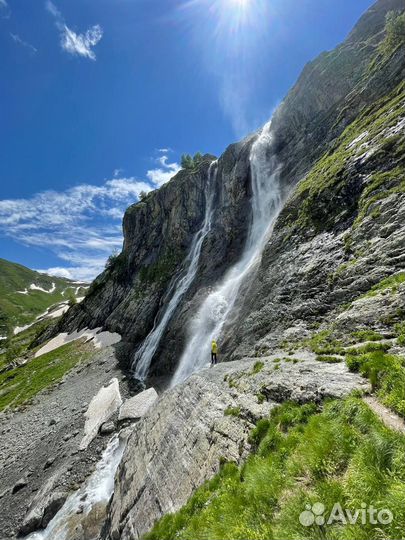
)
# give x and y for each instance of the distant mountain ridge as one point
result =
(25, 294)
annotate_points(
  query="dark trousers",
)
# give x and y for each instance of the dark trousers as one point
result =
(213, 358)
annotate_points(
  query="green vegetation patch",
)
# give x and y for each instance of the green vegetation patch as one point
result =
(385, 372)
(391, 282)
(366, 335)
(328, 359)
(331, 175)
(323, 342)
(232, 411)
(257, 367)
(20, 345)
(162, 270)
(341, 454)
(20, 384)
(19, 304)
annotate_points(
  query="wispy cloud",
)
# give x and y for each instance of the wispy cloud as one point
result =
(16, 38)
(117, 172)
(72, 42)
(165, 171)
(5, 11)
(81, 225)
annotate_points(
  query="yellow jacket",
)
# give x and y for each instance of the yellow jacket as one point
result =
(214, 347)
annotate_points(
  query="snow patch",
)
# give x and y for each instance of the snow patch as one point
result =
(57, 313)
(101, 408)
(22, 292)
(19, 329)
(99, 339)
(34, 287)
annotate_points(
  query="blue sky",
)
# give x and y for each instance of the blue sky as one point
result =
(99, 98)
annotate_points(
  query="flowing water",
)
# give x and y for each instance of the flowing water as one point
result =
(218, 306)
(92, 496)
(144, 355)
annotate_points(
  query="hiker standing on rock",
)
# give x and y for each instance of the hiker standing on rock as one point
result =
(214, 351)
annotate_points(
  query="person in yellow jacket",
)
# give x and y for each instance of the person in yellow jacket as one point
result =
(214, 351)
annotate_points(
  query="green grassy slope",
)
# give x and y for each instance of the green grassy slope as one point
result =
(18, 309)
(340, 454)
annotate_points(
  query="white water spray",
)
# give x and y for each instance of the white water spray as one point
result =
(144, 355)
(218, 306)
(96, 491)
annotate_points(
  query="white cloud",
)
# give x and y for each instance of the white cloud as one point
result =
(3, 4)
(72, 42)
(81, 226)
(164, 173)
(117, 172)
(16, 38)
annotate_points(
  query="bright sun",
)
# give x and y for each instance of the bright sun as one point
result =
(240, 3)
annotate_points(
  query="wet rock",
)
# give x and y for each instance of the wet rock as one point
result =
(52, 507)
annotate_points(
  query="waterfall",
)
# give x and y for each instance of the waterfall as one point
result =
(218, 306)
(92, 496)
(144, 355)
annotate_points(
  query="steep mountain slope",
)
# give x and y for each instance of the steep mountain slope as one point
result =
(25, 294)
(318, 315)
(131, 297)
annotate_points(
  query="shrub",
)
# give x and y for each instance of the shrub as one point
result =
(189, 163)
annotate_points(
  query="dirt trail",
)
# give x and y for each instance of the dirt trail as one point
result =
(389, 418)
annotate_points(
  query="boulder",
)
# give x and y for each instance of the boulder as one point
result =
(137, 406)
(107, 428)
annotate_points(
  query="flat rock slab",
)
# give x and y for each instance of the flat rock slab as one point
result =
(191, 428)
(137, 406)
(101, 408)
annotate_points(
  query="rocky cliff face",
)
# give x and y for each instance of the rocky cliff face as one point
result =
(331, 92)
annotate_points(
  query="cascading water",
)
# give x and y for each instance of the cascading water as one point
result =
(94, 494)
(143, 357)
(216, 309)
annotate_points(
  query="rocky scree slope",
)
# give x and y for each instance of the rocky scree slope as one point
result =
(130, 295)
